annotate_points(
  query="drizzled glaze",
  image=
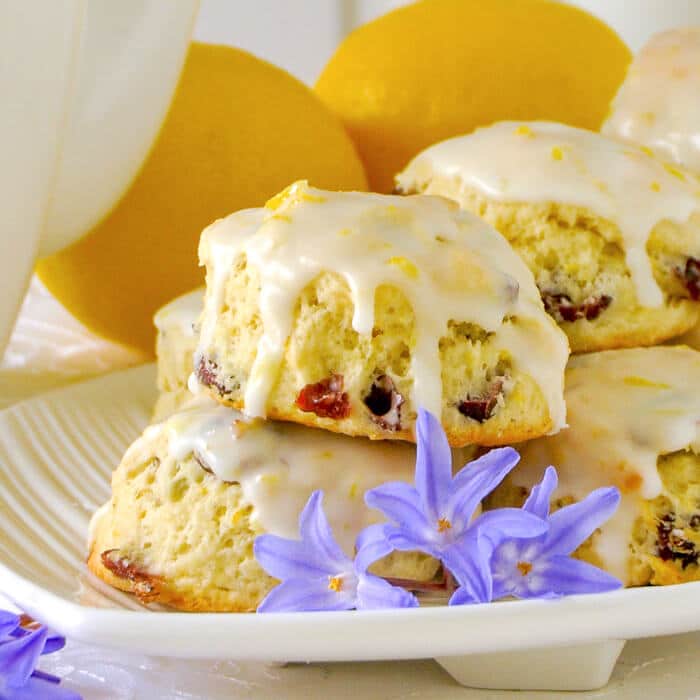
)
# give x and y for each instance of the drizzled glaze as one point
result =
(548, 162)
(625, 409)
(279, 465)
(658, 105)
(449, 264)
(181, 313)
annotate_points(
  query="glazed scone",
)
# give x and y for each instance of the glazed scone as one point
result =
(611, 233)
(658, 104)
(348, 311)
(176, 342)
(194, 491)
(691, 338)
(633, 423)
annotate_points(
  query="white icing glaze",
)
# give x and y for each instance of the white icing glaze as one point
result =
(181, 313)
(548, 162)
(243, 225)
(449, 264)
(658, 105)
(279, 465)
(625, 409)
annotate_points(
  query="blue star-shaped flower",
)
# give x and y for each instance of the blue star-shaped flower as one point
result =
(436, 515)
(20, 650)
(316, 574)
(542, 567)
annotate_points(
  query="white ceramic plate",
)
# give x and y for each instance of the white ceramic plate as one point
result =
(56, 454)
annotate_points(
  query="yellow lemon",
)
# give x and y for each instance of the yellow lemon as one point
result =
(440, 68)
(238, 131)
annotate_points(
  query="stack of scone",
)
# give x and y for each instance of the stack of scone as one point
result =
(328, 319)
(610, 229)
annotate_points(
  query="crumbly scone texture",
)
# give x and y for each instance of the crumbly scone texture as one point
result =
(664, 544)
(485, 400)
(175, 534)
(174, 350)
(578, 260)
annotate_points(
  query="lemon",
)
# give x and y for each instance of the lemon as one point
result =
(440, 68)
(238, 131)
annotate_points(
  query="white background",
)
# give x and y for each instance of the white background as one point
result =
(301, 35)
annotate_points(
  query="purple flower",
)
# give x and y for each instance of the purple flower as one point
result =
(316, 574)
(20, 650)
(436, 515)
(542, 567)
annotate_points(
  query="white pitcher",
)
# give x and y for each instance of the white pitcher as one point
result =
(84, 87)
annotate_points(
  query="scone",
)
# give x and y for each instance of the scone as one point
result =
(194, 491)
(658, 104)
(611, 233)
(633, 423)
(347, 311)
(176, 341)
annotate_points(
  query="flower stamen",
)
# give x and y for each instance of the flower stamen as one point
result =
(335, 583)
(444, 524)
(524, 567)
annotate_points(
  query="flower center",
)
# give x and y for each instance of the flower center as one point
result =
(335, 583)
(524, 567)
(444, 524)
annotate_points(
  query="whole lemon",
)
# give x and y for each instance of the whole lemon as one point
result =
(441, 68)
(238, 131)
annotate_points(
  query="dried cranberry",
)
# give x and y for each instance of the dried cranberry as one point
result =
(384, 403)
(325, 398)
(481, 408)
(671, 547)
(207, 373)
(690, 275)
(562, 308)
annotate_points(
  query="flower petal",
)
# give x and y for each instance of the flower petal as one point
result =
(9, 622)
(19, 657)
(463, 596)
(401, 504)
(568, 576)
(371, 545)
(574, 524)
(404, 543)
(476, 480)
(374, 593)
(509, 523)
(538, 501)
(468, 562)
(283, 558)
(297, 595)
(433, 465)
(502, 588)
(317, 535)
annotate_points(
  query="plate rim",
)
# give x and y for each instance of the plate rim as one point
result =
(358, 635)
